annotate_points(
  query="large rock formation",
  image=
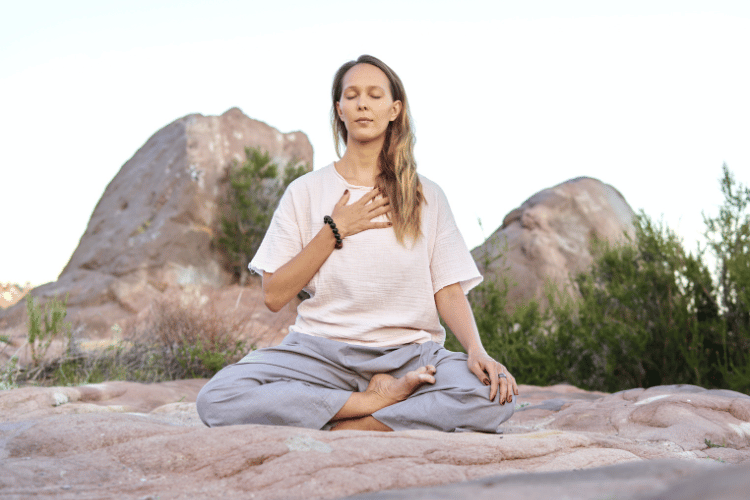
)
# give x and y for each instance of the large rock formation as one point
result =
(548, 238)
(153, 229)
(146, 441)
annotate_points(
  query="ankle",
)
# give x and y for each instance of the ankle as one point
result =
(368, 423)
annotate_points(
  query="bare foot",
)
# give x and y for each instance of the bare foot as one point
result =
(392, 390)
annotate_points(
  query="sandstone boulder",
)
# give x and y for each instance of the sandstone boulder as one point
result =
(548, 238)
(152, 231)
(146, 441)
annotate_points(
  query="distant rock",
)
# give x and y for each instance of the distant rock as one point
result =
(153, 229)
(548, 238)
(11, 293)
(146, 440)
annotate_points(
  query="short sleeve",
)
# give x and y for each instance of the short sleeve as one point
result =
(283, 240)
(451, 260)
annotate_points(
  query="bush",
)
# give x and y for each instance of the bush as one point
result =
(637, 322)
(649, 312)
(44, 326)
(176, 341)
(252, 196)
(197, 341)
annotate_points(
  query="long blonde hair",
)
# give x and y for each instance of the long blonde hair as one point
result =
(398, 177)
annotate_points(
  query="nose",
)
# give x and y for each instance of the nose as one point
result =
(362, 102)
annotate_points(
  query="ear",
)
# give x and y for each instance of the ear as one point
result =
(338, 109)
(395, 110)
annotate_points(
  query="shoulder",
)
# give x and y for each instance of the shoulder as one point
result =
(433, 193)
(312, 181)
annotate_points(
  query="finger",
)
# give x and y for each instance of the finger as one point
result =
(380, 211)
(344, 198)
(512, 386)
(513, 383)
(369, 196)
(506, 388)
(380, 225)
(378, 205)
(380, 201)
(504, 393)
(479, 373)
(492, 372)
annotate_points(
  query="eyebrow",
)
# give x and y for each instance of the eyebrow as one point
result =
(355, 87)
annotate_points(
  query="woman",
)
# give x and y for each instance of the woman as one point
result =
(376, 247)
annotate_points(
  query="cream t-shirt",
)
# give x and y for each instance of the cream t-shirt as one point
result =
(373, 291)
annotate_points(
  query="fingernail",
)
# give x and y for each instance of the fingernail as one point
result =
(346, 191)
(486, 381)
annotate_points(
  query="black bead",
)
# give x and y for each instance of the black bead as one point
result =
(329, 220)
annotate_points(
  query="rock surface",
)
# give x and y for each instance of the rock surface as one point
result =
(548, 238)
(147, 441)
(151, 233)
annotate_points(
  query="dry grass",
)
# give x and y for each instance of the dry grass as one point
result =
(197, 340)
(175, 341)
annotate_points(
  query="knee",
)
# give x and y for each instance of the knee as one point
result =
(206, 407)
(508, 409)
(492, 414)
(219, 402)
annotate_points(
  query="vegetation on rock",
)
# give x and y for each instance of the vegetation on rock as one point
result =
(649, 312)
(252, 196)
(176, 341)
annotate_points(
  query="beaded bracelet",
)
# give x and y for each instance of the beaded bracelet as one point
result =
(328, 220)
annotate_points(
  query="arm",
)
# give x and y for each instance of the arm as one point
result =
(286, 282)
(454, 308)
(281, 286)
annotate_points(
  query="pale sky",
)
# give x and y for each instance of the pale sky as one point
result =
(508, 98)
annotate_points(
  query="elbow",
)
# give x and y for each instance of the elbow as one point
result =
(273, 296)
(272, 302)
(270, 299)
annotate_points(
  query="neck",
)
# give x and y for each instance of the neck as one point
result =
(360, 163)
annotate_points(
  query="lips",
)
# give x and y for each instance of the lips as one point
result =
(364, 121)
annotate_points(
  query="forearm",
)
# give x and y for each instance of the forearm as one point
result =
(454, 308)
(286, 282)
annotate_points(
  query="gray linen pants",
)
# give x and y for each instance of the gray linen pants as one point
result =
(306, 380)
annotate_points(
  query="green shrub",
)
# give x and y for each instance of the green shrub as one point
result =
(648, 313)
(252, 195)
(9, 374)
(728, 236)
(637, 319)
(44, 326)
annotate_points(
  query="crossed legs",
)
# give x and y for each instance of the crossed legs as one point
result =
(382, 391)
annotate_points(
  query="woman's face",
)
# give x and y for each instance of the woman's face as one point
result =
(366, 106)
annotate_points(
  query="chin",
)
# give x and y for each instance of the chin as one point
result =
(365, 138)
